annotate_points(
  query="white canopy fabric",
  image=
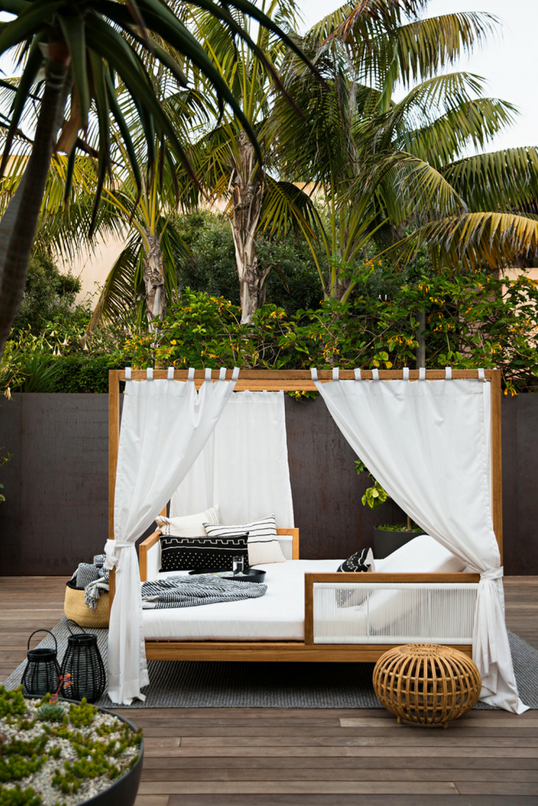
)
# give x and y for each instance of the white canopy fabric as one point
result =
(164, 426)
(243, 467)
(428, 444)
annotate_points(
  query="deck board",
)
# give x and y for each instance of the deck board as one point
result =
(308, 757)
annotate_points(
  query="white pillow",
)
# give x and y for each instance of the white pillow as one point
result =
(422, 555)
(263, 545)
(188, 525)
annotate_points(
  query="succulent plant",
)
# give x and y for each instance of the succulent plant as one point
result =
(50, 713)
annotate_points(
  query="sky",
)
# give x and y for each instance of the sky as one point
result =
(509, 61)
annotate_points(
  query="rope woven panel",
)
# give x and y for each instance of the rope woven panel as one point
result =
(426, 683)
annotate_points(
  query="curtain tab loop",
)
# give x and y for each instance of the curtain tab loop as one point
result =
(481, 375)
(128, 375)
(190, 376)
(313, 373)
(207, 375)
(170, 375)
(405, 373)
(448, 373)
(375, 374)
(235, 373)
(422, 374)
(222, 374)
(149, 374)
(492, 573)
(358, 375)
(336, 374)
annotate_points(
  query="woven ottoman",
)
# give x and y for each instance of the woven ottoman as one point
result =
(426, 683)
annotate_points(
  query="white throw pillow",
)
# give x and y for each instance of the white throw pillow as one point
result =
(188, 525)
(263, 545)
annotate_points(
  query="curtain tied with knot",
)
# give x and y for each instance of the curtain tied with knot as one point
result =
(164, 426)
(428, 445)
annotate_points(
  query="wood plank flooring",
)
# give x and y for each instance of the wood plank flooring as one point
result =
(299, 757)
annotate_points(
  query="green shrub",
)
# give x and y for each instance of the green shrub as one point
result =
(47, 293)
(18, 797)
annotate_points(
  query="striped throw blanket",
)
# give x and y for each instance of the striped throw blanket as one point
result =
(193, 591)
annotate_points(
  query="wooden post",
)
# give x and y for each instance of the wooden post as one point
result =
(496, 459)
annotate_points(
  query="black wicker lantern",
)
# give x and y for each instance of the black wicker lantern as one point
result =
(42, 673)
(83, 662)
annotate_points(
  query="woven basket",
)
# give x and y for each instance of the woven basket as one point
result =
(426, 683)
(77, 610)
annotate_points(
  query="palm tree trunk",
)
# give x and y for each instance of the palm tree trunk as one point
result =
(19, 222)
(154, 280)
(247, 187)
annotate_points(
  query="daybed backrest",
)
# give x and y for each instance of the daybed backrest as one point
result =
(423, 555)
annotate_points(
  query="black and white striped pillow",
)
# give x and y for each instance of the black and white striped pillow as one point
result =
(263, 545)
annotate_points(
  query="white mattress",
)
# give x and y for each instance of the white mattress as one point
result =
(277, 616)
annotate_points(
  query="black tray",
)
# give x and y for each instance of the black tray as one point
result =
(250, 575)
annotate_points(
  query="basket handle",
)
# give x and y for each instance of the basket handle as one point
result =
(50, 633)
(69, 622)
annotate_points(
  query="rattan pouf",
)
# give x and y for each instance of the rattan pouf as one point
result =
(426, 683)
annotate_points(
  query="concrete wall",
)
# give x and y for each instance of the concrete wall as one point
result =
(56, 485)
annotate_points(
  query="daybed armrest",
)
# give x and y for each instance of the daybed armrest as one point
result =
(149, 556)
(289, 542)
(377, 608)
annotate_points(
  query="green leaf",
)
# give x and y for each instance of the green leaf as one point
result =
(27, 23)
(73, 29)
(34, 62)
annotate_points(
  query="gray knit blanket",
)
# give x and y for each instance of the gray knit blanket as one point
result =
(196, 590)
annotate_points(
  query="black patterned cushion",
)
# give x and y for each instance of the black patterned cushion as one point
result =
(203, 552)
(361, 561)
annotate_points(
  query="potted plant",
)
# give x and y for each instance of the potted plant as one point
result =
(53, 750)
(387, 536)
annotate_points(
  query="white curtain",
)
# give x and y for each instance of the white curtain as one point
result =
(244, 465)
(164, 426)
(427, 443)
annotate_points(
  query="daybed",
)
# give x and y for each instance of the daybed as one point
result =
(400, 431)
(301, 616)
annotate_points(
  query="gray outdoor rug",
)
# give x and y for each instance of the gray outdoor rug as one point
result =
(212, 684)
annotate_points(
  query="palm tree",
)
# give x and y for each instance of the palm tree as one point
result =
(146, 269)
(88, 48)
(382, 163)
(224, 158)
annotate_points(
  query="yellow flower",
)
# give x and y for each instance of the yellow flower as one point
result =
(173, 341)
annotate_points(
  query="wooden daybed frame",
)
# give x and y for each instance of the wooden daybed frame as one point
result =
(307, 650)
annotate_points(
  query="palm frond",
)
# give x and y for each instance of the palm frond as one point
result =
(117, 299)
(505, 180)
(473, 240)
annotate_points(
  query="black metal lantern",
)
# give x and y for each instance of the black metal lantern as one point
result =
(83, 662)
(42, 673)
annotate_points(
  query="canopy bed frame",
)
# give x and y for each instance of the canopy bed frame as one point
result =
(310, 649)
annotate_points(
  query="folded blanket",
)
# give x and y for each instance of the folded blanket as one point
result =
(93, 591)
(193, 591)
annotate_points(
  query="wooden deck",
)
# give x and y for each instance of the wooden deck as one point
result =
(296, 757)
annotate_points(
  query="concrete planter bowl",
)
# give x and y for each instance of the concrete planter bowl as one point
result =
(122, 792)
